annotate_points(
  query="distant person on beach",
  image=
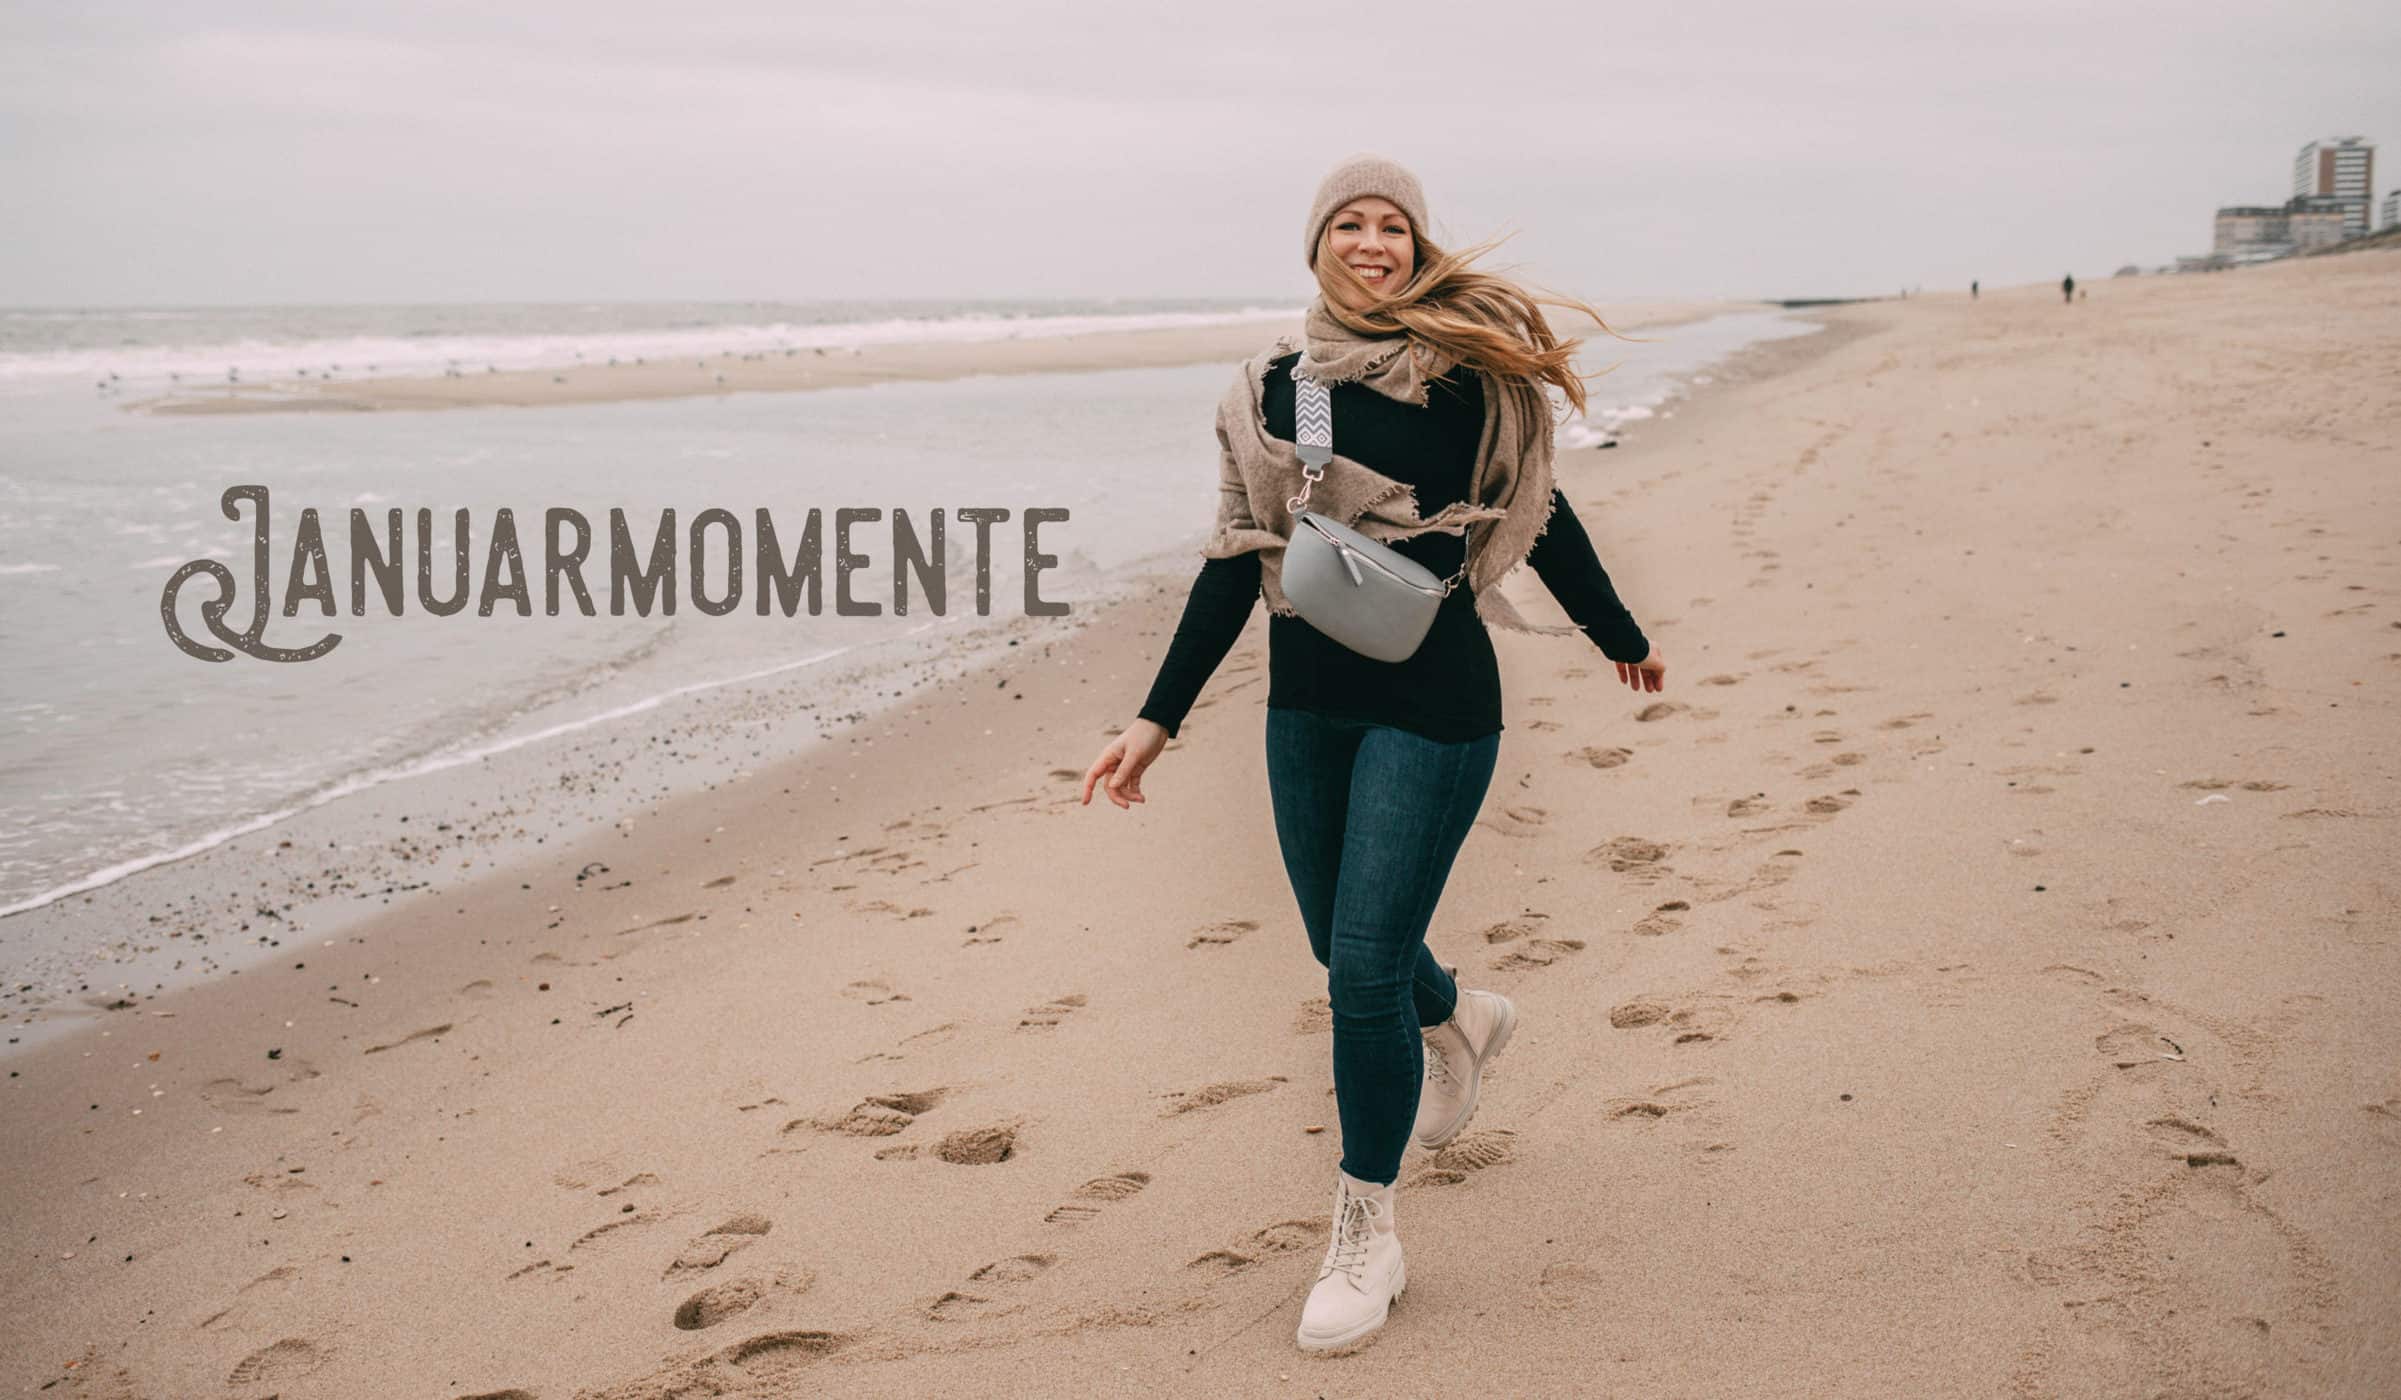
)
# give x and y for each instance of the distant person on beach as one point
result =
(1375, 769)
(2067, 288)
(1973, 291)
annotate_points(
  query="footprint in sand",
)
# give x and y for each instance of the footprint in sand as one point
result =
(771, 1358)
(1659, 710)
(1537, 952)
(1211, 1095)
(925, 1039)
(1828, 805)
(1602, 757)
(987, 1289)
(977, 1147)
(287, 1360)
(1049, 1014)
(2189, 1141)
(609, 1233)
(968, 1147)
(1316, 1015)
(1661, 1102)
(1283, 1237)
(1632, 855)
(897, 911)
(1662, 920)
(1774, 871)
(512, 1393)
(269, 1288)
(873, 991)
(720, 1244)
(1566, 1286)
(1467, 1155)
(1089, 1199)
(734, 1297)
(1510, 930)
(1721, 680)
(1222, 932)
(983, 932)
(774, 1356)
(1750, 806)
(2134, 1046)
(877, 1115)
(234, 1097)
(1697, 1025)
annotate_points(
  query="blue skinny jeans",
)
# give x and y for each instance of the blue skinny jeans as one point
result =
(1369, 818)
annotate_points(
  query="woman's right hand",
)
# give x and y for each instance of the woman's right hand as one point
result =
(1122, 763)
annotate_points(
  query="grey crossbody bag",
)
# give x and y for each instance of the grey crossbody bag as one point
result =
(1362, 593)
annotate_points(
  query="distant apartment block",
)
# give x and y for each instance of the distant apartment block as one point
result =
(2249, 232)
(2341, 168)
(2392, 210)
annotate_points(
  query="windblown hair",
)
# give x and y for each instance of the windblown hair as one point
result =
(1482, 319)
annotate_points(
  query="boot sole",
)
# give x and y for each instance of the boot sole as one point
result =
(1360, 1334)
(1500, 1042)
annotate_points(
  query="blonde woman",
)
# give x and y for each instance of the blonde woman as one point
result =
(1443, 439)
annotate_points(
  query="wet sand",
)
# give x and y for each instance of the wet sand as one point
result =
(1973, 975)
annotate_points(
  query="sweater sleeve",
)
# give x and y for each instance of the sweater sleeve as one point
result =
(1215, 613)
(1564, 558)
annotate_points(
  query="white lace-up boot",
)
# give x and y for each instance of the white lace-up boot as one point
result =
(1362, 1275)
(1456, 1053)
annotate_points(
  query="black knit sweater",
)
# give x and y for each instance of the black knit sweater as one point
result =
(1448, 689)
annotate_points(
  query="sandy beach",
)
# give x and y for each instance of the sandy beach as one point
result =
(1974, 975)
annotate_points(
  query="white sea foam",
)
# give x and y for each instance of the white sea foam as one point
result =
(350, 357)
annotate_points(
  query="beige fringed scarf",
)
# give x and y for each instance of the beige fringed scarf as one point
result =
(1259, 474)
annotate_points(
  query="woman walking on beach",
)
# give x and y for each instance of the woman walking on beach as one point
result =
(1443, 430)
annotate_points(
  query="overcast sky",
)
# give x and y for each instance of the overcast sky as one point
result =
(177, 153)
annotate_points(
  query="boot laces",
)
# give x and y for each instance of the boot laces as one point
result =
(1353, 1227)
(1438, 1065)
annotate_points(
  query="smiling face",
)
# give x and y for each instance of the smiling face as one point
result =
(1371, 236)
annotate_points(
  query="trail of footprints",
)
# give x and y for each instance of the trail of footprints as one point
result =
(1523, 943)
(2161, 1076)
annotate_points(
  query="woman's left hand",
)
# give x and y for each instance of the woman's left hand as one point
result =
(1650, 673)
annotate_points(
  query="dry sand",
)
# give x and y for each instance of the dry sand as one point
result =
(1974, 975)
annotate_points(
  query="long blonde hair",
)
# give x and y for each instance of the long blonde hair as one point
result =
(1481, 319)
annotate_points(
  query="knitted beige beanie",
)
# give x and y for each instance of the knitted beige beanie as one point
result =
(1365, 174)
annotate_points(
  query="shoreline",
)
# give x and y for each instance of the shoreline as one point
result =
(1858, 957)
(730, 372)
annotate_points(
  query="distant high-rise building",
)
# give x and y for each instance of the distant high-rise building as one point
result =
(2392, 210)
(2343, 168)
